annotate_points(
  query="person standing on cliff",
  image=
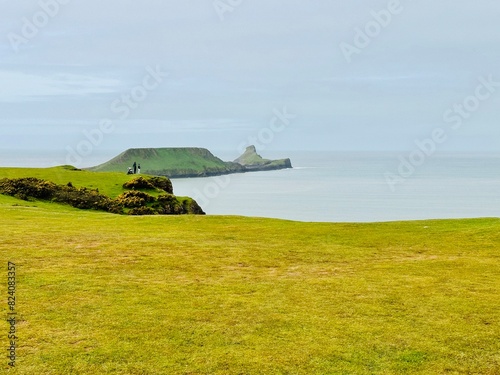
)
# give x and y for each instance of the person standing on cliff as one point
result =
(138, 169)
(135, 167)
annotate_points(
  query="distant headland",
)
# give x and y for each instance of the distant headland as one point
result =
(188, 162)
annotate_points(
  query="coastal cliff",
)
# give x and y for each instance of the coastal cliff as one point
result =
(254, 162)
(188, 162)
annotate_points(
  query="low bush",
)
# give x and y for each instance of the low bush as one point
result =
(151, 183)
(142, 211)
(83, 198)
(162, 183)
(132, 199)
(136, 202)
(139, 183)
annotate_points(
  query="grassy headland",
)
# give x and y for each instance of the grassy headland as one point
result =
(106, 294)
(188, 162)
(171, 162)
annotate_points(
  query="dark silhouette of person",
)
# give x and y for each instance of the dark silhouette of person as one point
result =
(135, 167)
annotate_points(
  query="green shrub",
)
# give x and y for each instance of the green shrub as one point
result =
(151, 183)
(28, 187)
(139, 183)
(139, 203)
(162, 183)
(132, 199)
(142, 211)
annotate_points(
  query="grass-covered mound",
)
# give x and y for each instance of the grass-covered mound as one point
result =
(133, 202)
(171, 162)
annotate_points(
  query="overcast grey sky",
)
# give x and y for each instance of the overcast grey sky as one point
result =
(67, 66)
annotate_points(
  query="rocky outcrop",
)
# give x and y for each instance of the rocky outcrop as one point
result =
(254, 162)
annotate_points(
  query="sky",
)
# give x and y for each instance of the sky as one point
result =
(88, 77)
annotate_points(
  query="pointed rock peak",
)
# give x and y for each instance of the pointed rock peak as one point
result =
(249, 157)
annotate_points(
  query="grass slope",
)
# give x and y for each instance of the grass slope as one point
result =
(170, 162)
(109, 184)
(105, 294)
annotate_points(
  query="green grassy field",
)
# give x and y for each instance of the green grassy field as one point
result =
(107, 294)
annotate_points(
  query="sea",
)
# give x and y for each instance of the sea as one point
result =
(343, 186)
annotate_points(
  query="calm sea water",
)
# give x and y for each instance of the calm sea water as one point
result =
(347, 187)
(351, 187)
